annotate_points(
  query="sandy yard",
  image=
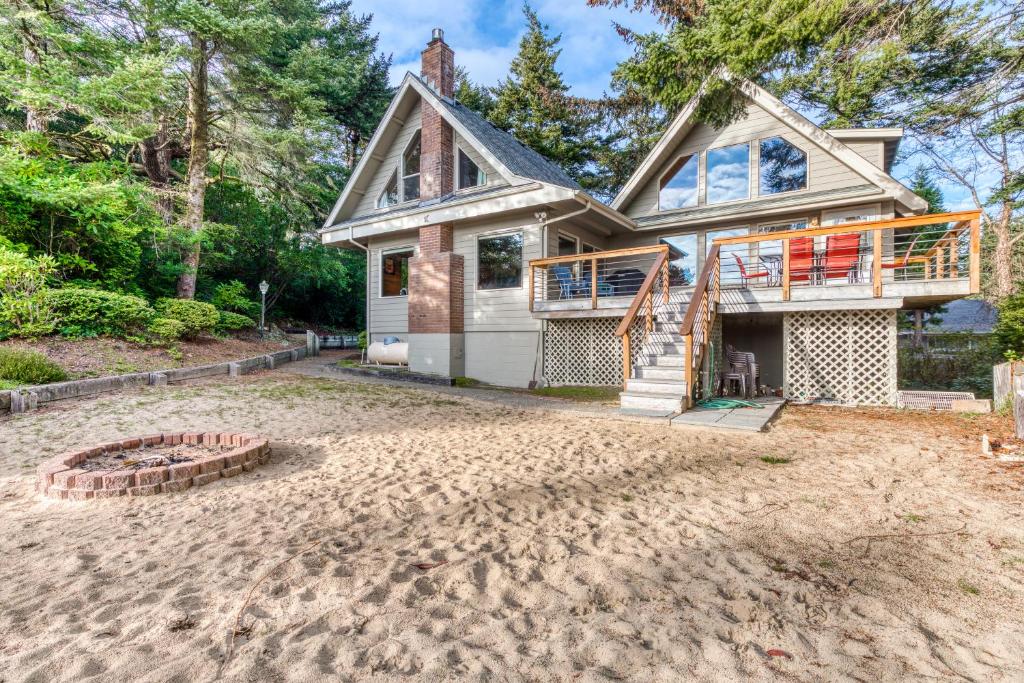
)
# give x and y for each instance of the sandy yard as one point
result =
(550, 546)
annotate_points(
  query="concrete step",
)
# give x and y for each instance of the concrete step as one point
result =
(664, 360)
(638, 400)
(659, 372)
(671, 387)
(664, 349)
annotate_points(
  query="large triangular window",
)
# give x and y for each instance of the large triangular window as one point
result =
(470, 175)
(411, 169)
(678, 188)
(389, 196)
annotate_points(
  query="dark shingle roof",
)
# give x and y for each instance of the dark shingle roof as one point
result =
(517, 157)
(966, 315)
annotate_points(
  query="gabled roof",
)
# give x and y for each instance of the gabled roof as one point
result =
(684, 122)
(966, 315)
(515, 162)
(514, 155)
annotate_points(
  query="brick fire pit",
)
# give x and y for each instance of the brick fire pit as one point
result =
(144, 466)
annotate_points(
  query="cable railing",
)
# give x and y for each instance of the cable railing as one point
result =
(932, 248)
(700, 320)
(650, 299)
(590, 280)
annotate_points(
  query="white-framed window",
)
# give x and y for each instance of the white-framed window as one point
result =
(469, 174)
(394, 271)
(783, 226)
(499, 261)
(782, 167)
(568, 244)
(389, 195)
(851, 214)
(728, 173)
(411, 169)
(678, 187)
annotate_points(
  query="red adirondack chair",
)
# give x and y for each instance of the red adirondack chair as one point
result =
(842, 256)
(801, 259)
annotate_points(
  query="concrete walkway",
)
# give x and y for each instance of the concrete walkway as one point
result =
(745, 419)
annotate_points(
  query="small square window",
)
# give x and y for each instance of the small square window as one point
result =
(500, 261)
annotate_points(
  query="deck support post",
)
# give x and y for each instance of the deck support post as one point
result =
(785, 270)
(627, 363)
(876, 263)
(975, 256)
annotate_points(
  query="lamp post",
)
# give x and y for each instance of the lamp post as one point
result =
(264, 287)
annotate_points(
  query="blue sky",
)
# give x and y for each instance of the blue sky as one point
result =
(485, 36)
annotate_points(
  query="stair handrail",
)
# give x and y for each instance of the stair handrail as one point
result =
(642, 296)
(700, 316)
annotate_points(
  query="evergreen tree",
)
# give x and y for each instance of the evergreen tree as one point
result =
(475, 97)
(119, 115)
(534, 104)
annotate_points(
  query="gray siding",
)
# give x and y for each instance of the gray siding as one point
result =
(368, 203)
(825, 172)
(497, 310)
(872, 150)
(388, 315)
(504, 358)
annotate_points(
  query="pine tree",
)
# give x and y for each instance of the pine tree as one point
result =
(474, 96)
(534, 104)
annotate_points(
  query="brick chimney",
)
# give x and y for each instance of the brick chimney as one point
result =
(437, 143)
(436, 287)
(437, 65)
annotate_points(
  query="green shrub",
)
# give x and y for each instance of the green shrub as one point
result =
(29, 367)
(232, 297)
(197, 316)
(1008, 333)
(92, 312)
(166, 329)
(23, 307)
(363, 340)
(232, 322)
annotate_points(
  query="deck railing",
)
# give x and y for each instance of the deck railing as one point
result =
(591, 277)
(700, 320)
(650, 298)
(935, 247)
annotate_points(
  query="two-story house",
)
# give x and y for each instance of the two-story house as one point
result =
(770, 235)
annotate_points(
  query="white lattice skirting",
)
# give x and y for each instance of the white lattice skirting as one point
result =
(583, 352)
(846, 357)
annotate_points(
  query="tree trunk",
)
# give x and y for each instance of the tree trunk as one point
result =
(918, 328)
(199, 157)
(34, 121)
(1002, 259)
(156, 159)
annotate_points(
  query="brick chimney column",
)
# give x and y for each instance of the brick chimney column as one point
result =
(436, 296)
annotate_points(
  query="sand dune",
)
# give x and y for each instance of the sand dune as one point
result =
(563, 548)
